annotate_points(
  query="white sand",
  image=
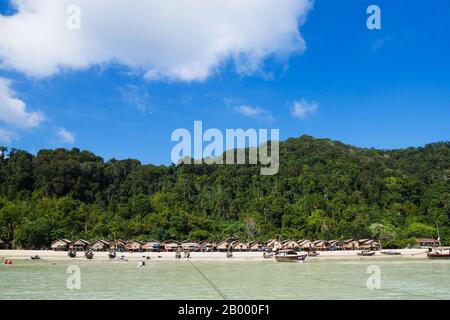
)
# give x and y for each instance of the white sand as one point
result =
(324, 255)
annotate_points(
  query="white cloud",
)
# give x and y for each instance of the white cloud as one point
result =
(302, 109)
(253, 112)
(65, 136)
(181, 40)
(7, 136)
(13, 111)
(135, 96)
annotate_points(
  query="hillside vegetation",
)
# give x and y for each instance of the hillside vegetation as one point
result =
(324, 190)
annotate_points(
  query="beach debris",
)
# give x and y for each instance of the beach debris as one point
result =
(141, 264)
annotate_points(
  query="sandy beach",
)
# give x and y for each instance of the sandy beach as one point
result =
(238, 256)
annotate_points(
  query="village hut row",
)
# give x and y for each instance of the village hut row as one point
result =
(210, 246)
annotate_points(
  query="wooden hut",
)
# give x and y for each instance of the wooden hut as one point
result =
(207, 246)
(321, 245)
(99, 245)
(274, 244)
(189, 245)
(151, 246)
(350, 244)
(291, 244)
(335, 245)
(117, 245)
(255, 246)
(369, 244)
(240, 246)
(60, 245)
(428, 243)
(305, 245)
(133, 246)
(224, 245)
(170, 245)
(79, 245)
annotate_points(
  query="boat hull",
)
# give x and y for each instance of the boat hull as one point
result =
(290, 258)
(436, 256)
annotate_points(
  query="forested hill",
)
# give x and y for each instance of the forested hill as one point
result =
(324, 190)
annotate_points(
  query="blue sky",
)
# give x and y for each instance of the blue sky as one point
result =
(387, 88)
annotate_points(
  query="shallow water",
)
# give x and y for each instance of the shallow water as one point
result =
(399, 279)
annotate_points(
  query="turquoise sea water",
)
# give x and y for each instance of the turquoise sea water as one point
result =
(399, 279)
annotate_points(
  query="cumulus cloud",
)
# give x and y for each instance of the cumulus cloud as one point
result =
(171, 39)
(253, 112)
(65, 136)
(13, 111)
(302, 109)
(7, 136)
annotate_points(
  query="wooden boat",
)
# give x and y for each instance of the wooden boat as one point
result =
(72, 254)
(290, 256)
(438, 254)
(391, 253)
(36, 257)
(112, 254)
(89, 255)
(366, 253)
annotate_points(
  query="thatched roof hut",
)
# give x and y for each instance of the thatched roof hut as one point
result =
(133, 246)
(99, 245)
(79, 245)
(350, 244)
(60, 245)
(117, 245)
(335, 245)
(369, 244)
(171, 245)
(224, 245)
(151, 245)
(274, 244)
(240, 246)
(306, 245)
(255, 245)
(189, 245)
(321, 245)
(290, 244)
(207, 246)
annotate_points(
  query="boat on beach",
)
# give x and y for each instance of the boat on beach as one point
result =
(89, 254)
(365, 253)
(439, 253)
(72, 253)
(391, 253)
(290, 256)
(36, 257)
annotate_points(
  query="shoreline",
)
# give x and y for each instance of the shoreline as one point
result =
(205, 256)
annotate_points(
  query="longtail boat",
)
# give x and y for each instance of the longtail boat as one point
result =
(366, 253)
(290, 256)
(439, 254)
(391, 253)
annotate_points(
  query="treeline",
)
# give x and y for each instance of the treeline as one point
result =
(324, 190)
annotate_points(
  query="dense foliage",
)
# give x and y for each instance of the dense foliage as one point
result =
(324, 189)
